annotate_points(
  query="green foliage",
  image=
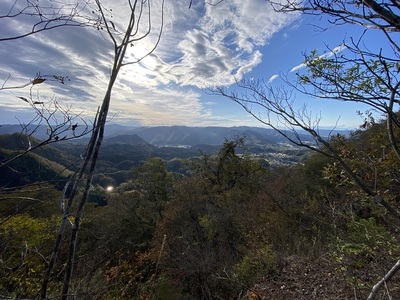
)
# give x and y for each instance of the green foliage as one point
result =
(371, 158)
(228, 170)
(25, 229)
(350, 79)
(103, 180)
(98, 195)
(38, 200)
(363, 242)
(152, 187)
(30, 168)
(364, 250)
(228, 215)
(198, 245)
(18, 142)
(206, 223)
(24, 241)
(165, 289)
(209, 227)
(254, 266)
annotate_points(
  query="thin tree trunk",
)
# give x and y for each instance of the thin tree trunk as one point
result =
(96, 144)
(389, 122)
(66, 213)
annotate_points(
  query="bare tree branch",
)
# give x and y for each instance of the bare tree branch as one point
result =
(121, 44)
(289, 121)
(389, 275)
(71, 126)
(371, 14)
(36, 17)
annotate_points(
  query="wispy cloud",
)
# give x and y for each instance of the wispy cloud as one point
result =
(327, 54)
(298, 67)
(202, 46)
(273, 77)
(224, 44)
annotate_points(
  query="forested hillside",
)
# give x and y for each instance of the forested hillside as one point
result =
(229, 228)
(91, 210)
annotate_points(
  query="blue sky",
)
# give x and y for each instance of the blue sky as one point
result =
(201, 46)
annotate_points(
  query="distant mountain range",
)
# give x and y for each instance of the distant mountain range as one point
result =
(125, 147)
(176, 136)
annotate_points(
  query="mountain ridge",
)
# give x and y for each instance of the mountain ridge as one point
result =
(178, 135)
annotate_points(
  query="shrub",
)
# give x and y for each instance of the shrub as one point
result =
(254, 266)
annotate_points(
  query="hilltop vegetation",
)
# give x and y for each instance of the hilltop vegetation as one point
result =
(229, 226)
(44, 164)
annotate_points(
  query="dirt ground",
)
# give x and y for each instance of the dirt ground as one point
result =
(300, 278)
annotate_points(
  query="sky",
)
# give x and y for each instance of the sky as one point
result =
(201, 46)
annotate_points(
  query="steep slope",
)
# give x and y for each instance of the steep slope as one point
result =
(43, 164)
(30, 168)
(21, 142)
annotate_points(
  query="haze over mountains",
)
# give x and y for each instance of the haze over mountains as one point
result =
(175, 136)
(125, 147)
